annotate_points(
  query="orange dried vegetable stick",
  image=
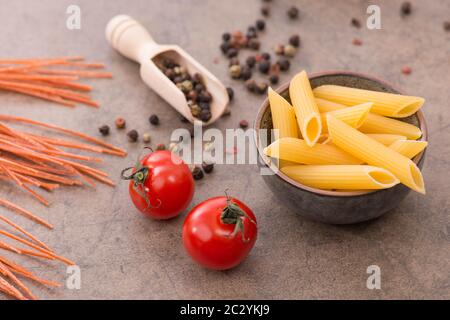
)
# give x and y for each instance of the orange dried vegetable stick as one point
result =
(33, 65)
(13, 265)
(70, 85)
(33, 60)
(100, 178)
(42, 95)
(26, 233)
(6, 287)
(86, 179)
(27, 274)
(24, 212)
(41, 167)
(93, 65)
(83, 167)
(37, 195)
(9, 247)
(37, 183)
(61, 129)
(37, 77)
(80, 73)
(48, 176)
(7, 273)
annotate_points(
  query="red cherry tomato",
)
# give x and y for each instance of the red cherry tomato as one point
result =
(161, 185)
(219, 232)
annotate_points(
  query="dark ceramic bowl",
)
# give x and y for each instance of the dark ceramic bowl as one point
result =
(332, 206)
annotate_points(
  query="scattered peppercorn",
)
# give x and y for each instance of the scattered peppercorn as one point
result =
(284, 64)
(208, 166)
(261, 88)
(279, 49)
(232, 52)
(251, 85)
(230, 92)
(264, 66)
(260, 24)
(406, 70)
(405, 8)
(104, 130)
(265, 11)
(357, 42)
(120, 123)
(290, 50)
(251, 61)
(356, 23)
(154, 120)
(274, 79)
(233, 61)
(447, 25)
(254, 44)
(246, 73)
(132, 135)
(235, 71)
(226, 36)
(243, 124)
(224, 47)
(266, 56)
(146, 137)
(295, 40)
(161, 146)
(293, 12)
(197, 173)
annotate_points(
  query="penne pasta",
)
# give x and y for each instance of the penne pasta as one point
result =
(305, 108)
(386, 139)
(374, 153)
(353, 116)
(408, 148)
(375, 123)
(283, 116)
(344, 177)
(385, 104)
(298, 151)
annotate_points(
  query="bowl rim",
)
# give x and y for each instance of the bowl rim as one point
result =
(340, 194)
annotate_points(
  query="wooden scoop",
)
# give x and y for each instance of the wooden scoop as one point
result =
(132, 40)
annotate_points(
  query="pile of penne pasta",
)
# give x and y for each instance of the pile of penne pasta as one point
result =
(341, 138)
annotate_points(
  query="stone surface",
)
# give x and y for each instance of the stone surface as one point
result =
(123, 255)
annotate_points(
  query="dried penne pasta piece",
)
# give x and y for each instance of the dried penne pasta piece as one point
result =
(408, 148)
(374, 153)
(305, 108)
(385, 104)
(353, 116)
(283, 116)
(328, 106)
(386, 139)
(345, 177)
(298, 151)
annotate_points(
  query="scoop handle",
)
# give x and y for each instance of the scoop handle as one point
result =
(129, 37)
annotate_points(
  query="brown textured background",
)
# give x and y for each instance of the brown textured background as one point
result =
(123, 255)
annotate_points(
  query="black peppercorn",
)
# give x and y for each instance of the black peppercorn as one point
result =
(208, 166)
(192, 95)
(293, 12)
(205, 96)
(284, 64)
(154, 120)
(132, 135)
(205, 115)
(246, 73)
(260, 24)
(261, 88)
(274, 79)
(405, 8)
(254, 44)
(197, 78)
(169, 63)
(230, 92)
(356, 23)
(266, 56)
(104, 130)
(295, 40)
(204, 105)
(232, 52)
(226, 36)
(199, 87)
(265, 11)
(224, 47)
(250, 85)
(251, 61)
(197, 173)
(264, 66)
(233, 61)
(243, 124)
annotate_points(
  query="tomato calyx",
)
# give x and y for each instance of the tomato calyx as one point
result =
(233, 214)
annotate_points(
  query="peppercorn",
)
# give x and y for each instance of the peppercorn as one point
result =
(266, 56)
(186, 86)
(197, 78)
(265, 11)
(447, 25)
(233, 61)
(208, 166)
(192, 95)
(224, 47)
(356, 23)
(235, 71)
(290, 50)
(205, 115)
(261, 88)
(274, 79)
(154, 120)
(295, 40)
(230, 92)
(226, 36)
(204, 105)
(197, 173)
(146, 137)
(199, 87)
(120, 123)
(264, 66)
(251, 61)
(357, 42)
(104, 130)
(169, 73)
(246, 73)
(243, 124)
(254, 44)
(168, 63)
(279, 49)
(284, 64)
(132, 135)
(178, 79)
(161, 146)
(232, 52)
(405, 8)
(205, 96)
(293, 12)
(250, 85)
(260, 24)
(195, 110)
